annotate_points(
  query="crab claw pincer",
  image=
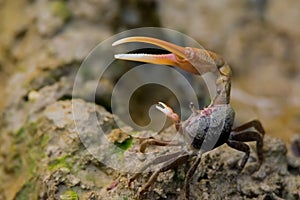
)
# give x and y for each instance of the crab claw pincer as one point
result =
(193, 60)
(167, 111)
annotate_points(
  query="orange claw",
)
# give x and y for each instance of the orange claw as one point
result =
(193, 60)
(167, 111)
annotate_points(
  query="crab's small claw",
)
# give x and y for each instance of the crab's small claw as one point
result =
(193, 60)
(167, 111)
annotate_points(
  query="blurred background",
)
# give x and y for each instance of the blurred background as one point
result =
(43, 43)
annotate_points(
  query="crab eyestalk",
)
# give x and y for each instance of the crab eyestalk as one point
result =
(193, 60)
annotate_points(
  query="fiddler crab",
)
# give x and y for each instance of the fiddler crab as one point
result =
(205, 129)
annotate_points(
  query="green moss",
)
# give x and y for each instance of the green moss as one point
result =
(58, 163)
(126, 144)
(60, 9)
(24, 133)
(32, 128)
(25, 157)
(24, 150)
(20, 131)
(33, 160)
(45, 140)
(20, 135)
(69, 195)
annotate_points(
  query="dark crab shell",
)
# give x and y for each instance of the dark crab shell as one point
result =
(210, 127)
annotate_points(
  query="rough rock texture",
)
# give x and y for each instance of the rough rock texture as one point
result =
(55, 164)
(43, 43)
(217, 177)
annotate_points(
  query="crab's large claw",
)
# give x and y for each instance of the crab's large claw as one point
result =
(196, 61)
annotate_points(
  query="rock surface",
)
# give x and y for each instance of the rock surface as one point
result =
(43, 43)
(217, 177)
(56, 165)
